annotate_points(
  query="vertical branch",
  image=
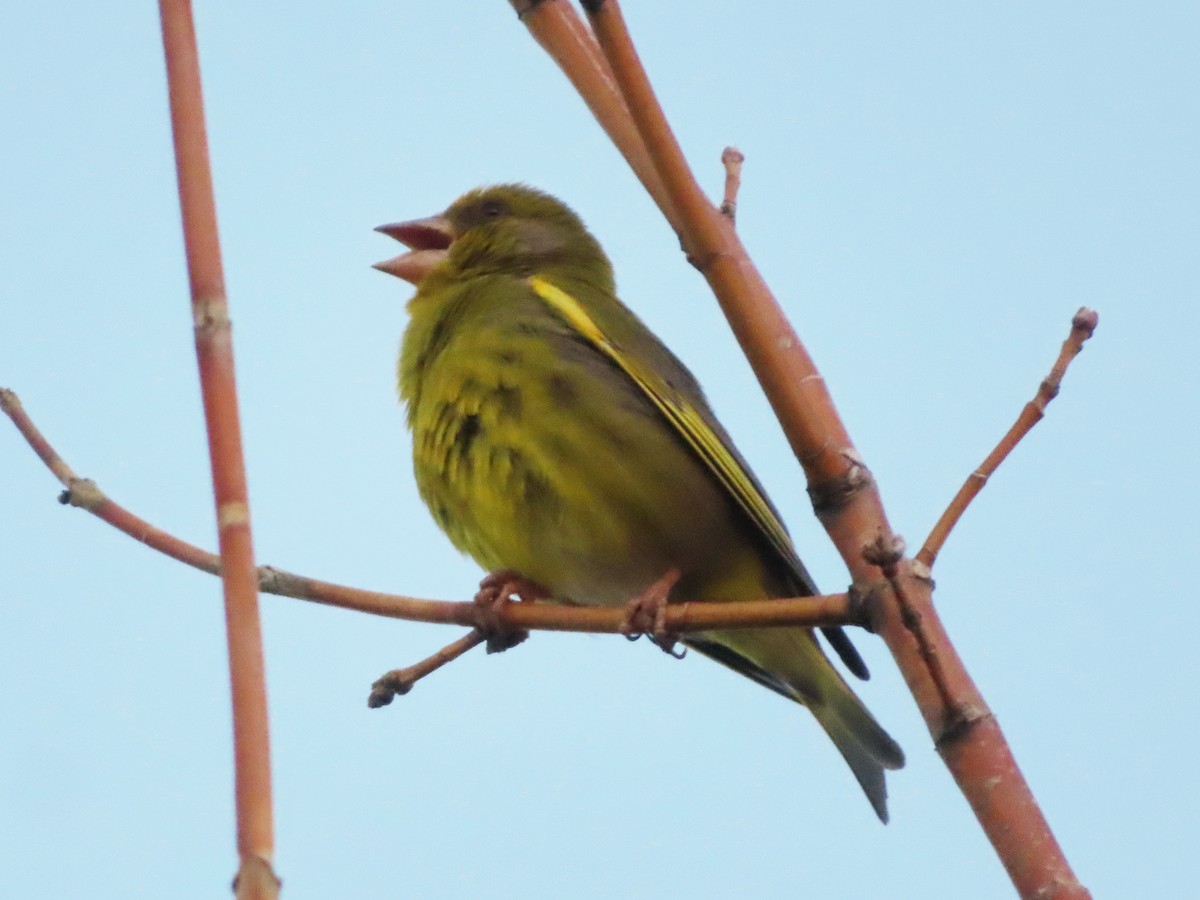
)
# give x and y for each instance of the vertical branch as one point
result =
(214, 354)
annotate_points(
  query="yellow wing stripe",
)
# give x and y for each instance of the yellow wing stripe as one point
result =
(684, 417)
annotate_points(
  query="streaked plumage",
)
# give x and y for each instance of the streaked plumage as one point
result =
(554, 435)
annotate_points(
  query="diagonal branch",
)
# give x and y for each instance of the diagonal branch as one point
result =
(399, 682)
(556, 26)
(845, 496)
(1083, 325)
(787, 373)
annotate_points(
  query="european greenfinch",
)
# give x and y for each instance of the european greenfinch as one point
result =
(555, 437)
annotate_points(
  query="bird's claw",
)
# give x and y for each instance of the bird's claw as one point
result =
(496, 590)
(647, 614)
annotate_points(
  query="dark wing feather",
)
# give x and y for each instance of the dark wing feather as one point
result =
(667, 383)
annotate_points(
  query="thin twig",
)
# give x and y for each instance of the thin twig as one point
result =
(830, 609)
(1083, 325)
(401, 681)
(214, 356)
(888, 554)
(732, 159)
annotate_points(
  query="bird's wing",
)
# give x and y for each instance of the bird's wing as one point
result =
(698, 427)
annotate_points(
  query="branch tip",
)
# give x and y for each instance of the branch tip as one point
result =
(732, 159)
(399, 682)
(1086, 320)
(1083, 325)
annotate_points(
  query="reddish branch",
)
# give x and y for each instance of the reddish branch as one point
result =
(1082, 326)
(843, 491)
(569, 42)
(214, 355)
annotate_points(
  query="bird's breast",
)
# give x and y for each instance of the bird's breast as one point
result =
(536, 454)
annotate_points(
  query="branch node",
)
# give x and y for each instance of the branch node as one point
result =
(829, 496)
(83, 493)
(922, 572)
(885, 552)
(703, 261)
(270, 579)
(1047, 391)
(211, 315)
(959, 720)
(864, 606)
(255, 878)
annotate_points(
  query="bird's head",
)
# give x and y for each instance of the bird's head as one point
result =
(505, 229)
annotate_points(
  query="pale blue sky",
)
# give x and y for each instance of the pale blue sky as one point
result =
(932, 190)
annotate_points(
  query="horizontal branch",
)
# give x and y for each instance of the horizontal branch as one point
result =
(682, 617)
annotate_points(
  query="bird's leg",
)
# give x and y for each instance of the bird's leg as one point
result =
(495, 590)
(647, 614)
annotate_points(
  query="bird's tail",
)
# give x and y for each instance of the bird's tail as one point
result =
(863, 743)
(790, 662)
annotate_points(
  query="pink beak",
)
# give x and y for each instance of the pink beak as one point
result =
(429, 242)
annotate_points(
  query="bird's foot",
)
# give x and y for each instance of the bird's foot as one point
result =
(495, 591)
(647, 614)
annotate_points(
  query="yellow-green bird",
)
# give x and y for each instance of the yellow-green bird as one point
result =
(555, 437)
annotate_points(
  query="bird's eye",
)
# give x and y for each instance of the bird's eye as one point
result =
(492, 209)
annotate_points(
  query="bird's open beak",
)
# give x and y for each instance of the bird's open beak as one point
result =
(429, 240)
